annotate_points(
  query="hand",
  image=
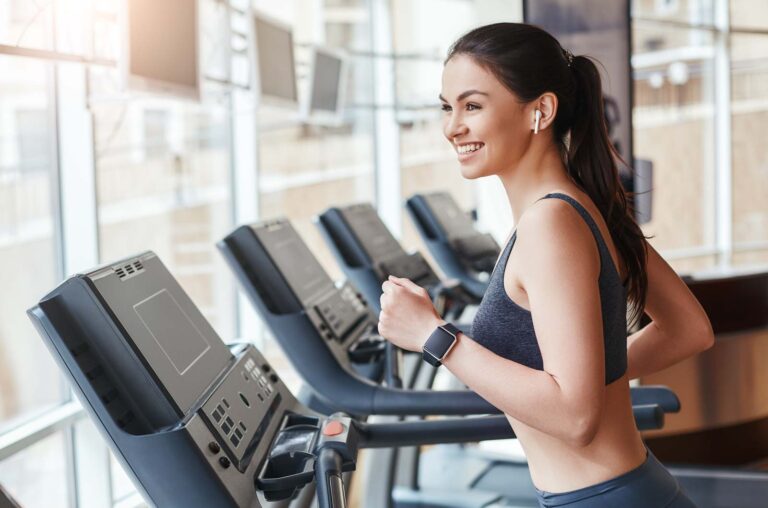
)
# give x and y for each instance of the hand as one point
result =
(407, 316)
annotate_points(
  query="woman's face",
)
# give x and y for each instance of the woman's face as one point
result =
(484, 122)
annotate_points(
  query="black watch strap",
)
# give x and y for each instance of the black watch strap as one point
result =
(439, 344)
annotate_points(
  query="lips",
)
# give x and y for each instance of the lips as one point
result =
(466, 151)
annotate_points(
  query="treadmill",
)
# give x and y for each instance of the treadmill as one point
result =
(463, 253)
(312, 314)
(368, 253)
(194, 421)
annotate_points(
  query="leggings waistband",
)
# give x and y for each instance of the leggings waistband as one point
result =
(648, 485)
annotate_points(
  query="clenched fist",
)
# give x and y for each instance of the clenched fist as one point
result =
(407, 316)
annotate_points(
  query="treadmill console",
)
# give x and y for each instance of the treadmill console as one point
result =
(410, 266)
(241, 409)
(339, 312)
(370, 231)
(192, 419)
(450, 217)
(387, 256)
(277, 262)
(451, 236)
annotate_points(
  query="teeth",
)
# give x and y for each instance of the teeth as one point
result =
(471, 147)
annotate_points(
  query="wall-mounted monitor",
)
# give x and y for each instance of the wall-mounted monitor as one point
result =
(273, 69)
(327, 85)
(160, 47)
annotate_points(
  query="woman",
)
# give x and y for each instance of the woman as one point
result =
(549, 344)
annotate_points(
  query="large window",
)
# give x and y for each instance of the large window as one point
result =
(427, 161)
(749, 116)
(29, 379)
(673, 121)
(167, 173)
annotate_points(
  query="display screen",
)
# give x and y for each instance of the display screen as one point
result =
(598, 29)
(163, 42)
(166, 322)
(454, 221)
(371, 232)
(274, 54)
(326, 81)
(296, 263)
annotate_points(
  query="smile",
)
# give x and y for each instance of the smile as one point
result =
(469, 148)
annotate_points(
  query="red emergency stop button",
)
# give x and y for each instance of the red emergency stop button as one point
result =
(333, 428)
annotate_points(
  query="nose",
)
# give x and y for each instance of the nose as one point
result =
(454, 126)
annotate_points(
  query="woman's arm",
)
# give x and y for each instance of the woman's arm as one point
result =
(560, 264)
(679, 328)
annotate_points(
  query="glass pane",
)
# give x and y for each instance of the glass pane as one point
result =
(36, 477)
(749, 117)
(163, 173)
(29, 379)
(684, 11)
(749, 14)
(673, 122)
(122, 486)
(27, 24)
(427, 160)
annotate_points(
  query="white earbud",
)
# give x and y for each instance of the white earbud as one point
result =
(537, 116)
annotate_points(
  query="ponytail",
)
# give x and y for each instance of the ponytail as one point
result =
(591, 163)
(530, 62)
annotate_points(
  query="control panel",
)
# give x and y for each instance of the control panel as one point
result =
(240, 410)
(340, 312)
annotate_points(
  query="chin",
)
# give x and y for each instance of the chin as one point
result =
(473, 172)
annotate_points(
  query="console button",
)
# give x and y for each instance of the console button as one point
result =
(333, 428)
(224, 462)
(214, 447)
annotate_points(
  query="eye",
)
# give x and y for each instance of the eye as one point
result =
(472, 107)
(446, 108)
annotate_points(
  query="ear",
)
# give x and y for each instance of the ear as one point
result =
(547, 104)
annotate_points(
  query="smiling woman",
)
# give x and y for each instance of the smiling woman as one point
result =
(548, 344)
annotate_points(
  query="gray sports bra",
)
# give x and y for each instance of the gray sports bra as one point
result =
(505, 328)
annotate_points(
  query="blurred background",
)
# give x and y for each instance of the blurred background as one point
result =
(100, 158)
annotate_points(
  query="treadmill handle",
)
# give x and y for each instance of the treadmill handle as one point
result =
(466, 430)
(427, 432)
(393, 357)
(328, 479)
(655, 394)
(648, 416)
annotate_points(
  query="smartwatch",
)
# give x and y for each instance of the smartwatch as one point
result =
(439, 344)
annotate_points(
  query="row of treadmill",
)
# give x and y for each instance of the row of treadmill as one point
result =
(197, 422)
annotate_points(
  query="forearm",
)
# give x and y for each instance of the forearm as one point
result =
(531, 396)
(653, 349)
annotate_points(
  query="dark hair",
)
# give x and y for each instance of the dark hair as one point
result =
(529, 62)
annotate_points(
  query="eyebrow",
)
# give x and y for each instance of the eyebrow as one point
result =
(464, 95)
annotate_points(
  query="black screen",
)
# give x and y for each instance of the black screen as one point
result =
(454, 221)
(326, 80)
(371, 232)
(167, 323)
(274, 48)
(304, 274)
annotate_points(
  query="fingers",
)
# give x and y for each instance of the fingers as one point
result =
(407, 284)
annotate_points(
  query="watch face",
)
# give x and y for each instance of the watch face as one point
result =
(430, 358)
(439, 344)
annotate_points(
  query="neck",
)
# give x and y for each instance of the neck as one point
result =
(538, 172)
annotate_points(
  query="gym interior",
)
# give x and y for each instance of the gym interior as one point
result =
(200, 199)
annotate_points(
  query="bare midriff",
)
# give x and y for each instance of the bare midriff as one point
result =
(617, 448)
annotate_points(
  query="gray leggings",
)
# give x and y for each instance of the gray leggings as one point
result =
(649, 485)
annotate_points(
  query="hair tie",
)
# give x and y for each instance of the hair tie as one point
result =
(568, 56)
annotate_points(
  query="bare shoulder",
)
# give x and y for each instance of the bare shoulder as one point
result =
(553, 235)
